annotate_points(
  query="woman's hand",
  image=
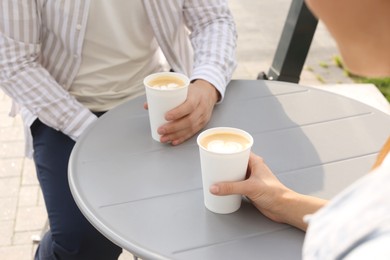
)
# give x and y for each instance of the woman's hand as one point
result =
(270, 196)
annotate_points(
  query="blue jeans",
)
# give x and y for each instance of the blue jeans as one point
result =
(71, 236)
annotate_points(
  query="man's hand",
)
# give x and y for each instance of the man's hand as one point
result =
(191, 116)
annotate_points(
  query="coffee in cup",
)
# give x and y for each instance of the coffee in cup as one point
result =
(224, 155)
(166, 82)
(164, 91)
(225, 142)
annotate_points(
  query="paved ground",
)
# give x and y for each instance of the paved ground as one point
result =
(22, 212)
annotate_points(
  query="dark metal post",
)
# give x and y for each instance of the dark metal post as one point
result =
(294, 43)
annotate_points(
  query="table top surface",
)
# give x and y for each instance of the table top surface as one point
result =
(147, 197)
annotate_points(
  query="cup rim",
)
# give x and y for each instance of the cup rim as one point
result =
(157, 74)
(227, 129)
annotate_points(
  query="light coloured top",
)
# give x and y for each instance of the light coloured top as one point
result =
(356, 223)
(115, 58)
(41, 48)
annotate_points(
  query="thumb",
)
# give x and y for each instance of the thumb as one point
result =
(228, 188)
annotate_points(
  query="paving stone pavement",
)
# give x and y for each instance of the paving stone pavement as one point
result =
(259, 23)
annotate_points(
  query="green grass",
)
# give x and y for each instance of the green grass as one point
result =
(337, 60)
(324, 65)
(383, 84)
(320, 78)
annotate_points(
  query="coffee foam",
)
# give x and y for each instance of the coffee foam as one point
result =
(221, 146)
(168, 86)
(166, 82)
(224, 142)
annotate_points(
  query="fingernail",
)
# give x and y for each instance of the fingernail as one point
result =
(164, 139)
(161, 131)
(214, 189)
(176, 142)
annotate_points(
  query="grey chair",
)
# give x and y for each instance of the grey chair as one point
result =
(294, 44)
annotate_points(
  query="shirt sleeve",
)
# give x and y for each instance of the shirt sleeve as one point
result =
(213, 36)
(345, 233)
(24, 79)
(375, 248)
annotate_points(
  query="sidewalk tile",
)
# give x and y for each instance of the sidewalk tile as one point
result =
(11, 149)
(11, 167)
(9, 134)
(9, 187)
(6, 121)
(30, 219)
(16, 252)
(28, 196)
(29, 176)
(8, 208)
(25, 237)
(6, 231)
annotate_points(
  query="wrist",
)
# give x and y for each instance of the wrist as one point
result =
(213, 92)
(293, 207)
(283, 205)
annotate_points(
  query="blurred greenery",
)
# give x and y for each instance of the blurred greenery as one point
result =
(383, 84)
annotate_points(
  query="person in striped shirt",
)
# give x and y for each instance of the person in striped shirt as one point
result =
(66, 62)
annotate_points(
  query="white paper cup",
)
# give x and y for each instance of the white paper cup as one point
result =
(161, 100)
(221, 162)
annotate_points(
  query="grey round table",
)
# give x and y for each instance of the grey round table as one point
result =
(147, 197)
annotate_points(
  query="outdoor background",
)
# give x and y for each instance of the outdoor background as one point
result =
(259, 24)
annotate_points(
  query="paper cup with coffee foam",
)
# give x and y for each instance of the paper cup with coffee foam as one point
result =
(224, 155)
(164, 91)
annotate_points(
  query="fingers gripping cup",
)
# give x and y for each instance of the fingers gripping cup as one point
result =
(224, 155)
(164, 91)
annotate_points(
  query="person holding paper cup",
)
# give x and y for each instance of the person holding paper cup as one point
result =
(164, 91)
(356, 223)
(224, 154)
(368, 230)
(63, 68)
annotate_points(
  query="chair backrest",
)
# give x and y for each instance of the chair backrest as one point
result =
(294, 44)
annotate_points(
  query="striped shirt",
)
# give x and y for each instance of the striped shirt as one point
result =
(41, 43)
(356, 223)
